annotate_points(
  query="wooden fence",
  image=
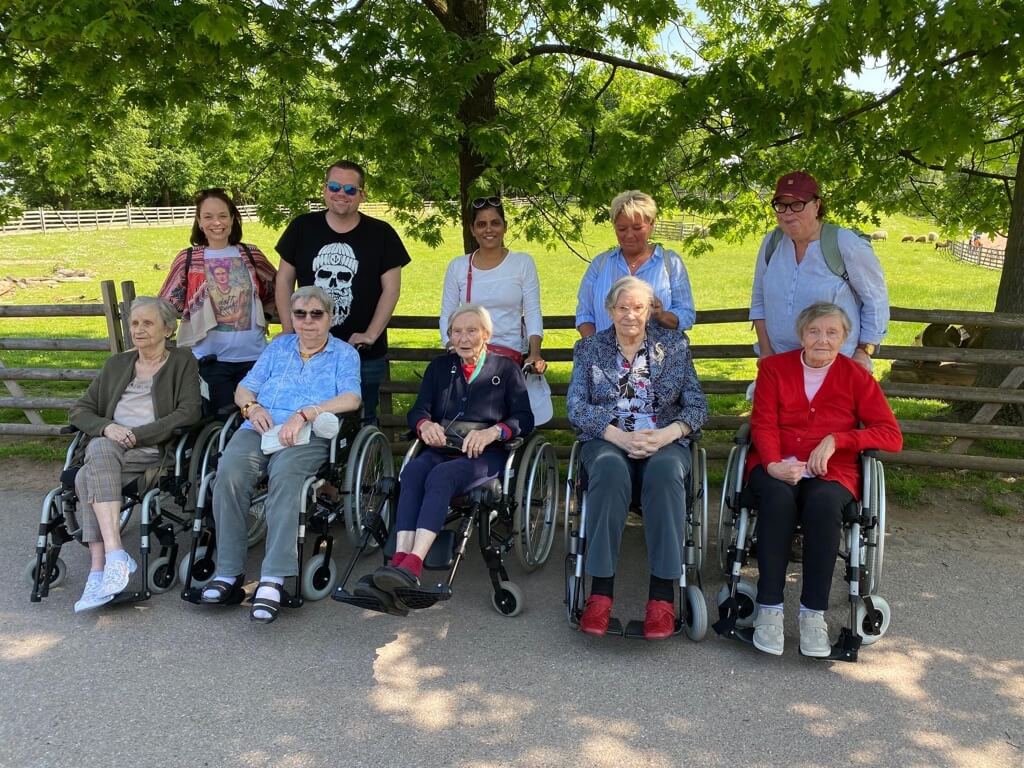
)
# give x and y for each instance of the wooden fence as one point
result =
(1008, 393)
(992, 258)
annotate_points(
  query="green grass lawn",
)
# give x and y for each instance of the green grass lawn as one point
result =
(919, 276)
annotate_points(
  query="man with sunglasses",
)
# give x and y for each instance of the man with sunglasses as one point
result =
(807, 260)
(357, 260)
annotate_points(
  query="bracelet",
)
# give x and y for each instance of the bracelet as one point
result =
(246, 407)
(303, 415)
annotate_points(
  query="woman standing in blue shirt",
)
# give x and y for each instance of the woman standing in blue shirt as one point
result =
(633, 214)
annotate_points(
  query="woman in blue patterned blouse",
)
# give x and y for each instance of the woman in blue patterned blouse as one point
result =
(634, 399)
(296, 378)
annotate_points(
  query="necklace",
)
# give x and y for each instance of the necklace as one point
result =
(306, 355)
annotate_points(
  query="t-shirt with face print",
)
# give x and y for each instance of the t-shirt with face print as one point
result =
(347, 266)
(237, 336)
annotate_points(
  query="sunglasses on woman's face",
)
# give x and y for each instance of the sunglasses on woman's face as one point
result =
(316, 314)
(349, 189)
(480, 202)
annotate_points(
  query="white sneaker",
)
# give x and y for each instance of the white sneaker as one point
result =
(115, 576)
(814, 636)
(768, 634)
(91, 597)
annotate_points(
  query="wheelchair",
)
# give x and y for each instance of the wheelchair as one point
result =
(152, 493)
(359, 458)
(862, 548)
(514, 512)
(691, 609)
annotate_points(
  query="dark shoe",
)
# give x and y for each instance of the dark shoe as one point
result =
(659, 620)
(228, 592)
(596, 615)
(391, 604)
(267, 604)
(388, 578)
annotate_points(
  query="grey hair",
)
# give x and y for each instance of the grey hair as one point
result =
(167, 313)
(633, 203)
(313, 292)
(822, 309)
(628, 283)
(472, 308)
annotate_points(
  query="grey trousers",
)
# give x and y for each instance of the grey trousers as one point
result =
(238, 472)
(662, 479)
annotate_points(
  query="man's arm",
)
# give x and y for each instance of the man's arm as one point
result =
(391, 288)
(284, 286)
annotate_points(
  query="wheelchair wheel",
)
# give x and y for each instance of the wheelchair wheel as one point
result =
(746, 599)
(203, 570)
(369, 460)
(202, 448)
(58, 572)
(508, 600)
(874, 536)
(536, 504)
(726, 521)
(696, 618)
(161, 575)
(319, 575)
(864, 623)
(571, 518)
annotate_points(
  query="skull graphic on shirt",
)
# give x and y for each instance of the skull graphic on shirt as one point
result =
(334, 269)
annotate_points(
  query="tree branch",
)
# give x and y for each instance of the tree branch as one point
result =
(909, 155)
(440, 10)
(606, 58)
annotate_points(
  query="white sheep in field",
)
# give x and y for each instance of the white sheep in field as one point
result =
(944, 244)
(933, 237)
(881, 234)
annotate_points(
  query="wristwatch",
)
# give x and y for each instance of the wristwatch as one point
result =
(868, 348)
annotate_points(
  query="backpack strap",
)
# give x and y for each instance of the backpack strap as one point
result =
(248, 253)
(184, 275)
(829, 249)
(774, 238)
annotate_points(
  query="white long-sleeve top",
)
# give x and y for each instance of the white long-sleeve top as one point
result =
(509, 291)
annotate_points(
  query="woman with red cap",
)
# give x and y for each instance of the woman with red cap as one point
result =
(807, 260)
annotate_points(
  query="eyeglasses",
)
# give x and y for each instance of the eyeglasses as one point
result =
(349, 189)
(796, 206)
(494, 201)
(637, 309)
(316, 314)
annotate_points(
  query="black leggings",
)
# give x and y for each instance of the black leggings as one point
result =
(818, 505)
(221, 379)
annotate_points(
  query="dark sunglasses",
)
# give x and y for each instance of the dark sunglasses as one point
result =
(494, 201)
(796, 206)
(316, 314)
(349, 189)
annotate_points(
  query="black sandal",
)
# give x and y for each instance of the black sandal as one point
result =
(228, 592)
(266, 604)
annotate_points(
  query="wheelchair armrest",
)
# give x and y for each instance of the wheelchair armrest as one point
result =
(226, 410)
(742, 435)
(513, 444)
(68, 429)
(870, 453)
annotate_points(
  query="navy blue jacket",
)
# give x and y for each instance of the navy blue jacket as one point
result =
(498, 394)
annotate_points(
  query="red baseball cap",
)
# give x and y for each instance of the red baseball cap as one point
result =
(797, 185)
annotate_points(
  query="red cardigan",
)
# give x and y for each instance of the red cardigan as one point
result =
(850, 406)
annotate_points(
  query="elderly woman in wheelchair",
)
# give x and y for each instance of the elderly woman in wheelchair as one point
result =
(297, 378)
(814, 412)
(635, 401)
(471, 404)
(128, 415)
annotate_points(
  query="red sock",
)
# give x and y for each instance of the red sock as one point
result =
(397, 558)
(413, 564)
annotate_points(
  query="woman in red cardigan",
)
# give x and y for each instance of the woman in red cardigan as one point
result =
(814, 412)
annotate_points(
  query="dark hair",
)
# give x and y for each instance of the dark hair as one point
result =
(488, 205)
(347, 165)
(198, 236)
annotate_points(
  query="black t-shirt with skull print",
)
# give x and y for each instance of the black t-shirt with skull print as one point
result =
(347, 265)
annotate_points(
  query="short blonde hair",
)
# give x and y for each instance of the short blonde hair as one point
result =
(629, 283)
(822, 309)
(475, 309)
(634, 203)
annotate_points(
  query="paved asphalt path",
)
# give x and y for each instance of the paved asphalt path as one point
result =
(169, 684)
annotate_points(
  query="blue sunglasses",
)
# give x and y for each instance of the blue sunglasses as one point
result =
(348, 189)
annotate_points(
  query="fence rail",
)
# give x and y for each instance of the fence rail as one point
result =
(1009, 393)
(992, 258)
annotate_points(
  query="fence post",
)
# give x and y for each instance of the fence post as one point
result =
(127, 297)
(42, 220)
(128, 211)
(112, 314)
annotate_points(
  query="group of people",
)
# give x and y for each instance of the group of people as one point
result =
(819, 307)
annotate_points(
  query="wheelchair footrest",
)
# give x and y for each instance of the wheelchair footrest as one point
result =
(614, 626)
(417, 598)
(130, 597)
(359, 601)
(635, 629)
(846, 646)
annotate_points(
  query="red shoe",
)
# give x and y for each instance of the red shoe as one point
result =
(598, 610)
(660, 620)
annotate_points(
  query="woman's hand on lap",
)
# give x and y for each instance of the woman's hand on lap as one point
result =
(432, 434)
(817, 462)
(787, 471)
(260, 419)
(289, 432)
(477, 440)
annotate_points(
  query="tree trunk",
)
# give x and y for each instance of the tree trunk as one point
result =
(1010, 297)
(477, 108)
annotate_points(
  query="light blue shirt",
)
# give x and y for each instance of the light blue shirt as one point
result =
(783, 289)
(664, 271)
(284, 383)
